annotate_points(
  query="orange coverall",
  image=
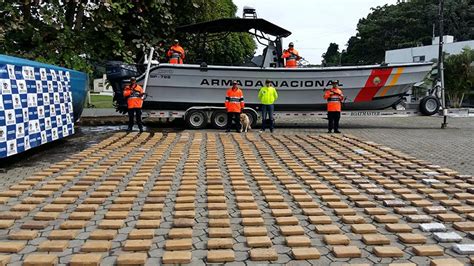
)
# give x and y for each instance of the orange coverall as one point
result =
(176, 54)
(292, 56)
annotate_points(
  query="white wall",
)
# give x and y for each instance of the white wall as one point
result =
(430, 52)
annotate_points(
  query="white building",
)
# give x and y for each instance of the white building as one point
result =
(102, 86)
(426, 53)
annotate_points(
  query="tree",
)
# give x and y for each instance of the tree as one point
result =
(76, 34)
(83, 33)
(459, 76)
(332, 56)
(406, 24)
(224, 49)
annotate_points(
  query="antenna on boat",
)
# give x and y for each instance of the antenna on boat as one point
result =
(249, 12)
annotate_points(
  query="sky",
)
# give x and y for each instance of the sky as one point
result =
(314, 24)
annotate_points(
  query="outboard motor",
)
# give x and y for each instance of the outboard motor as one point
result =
(118, 74)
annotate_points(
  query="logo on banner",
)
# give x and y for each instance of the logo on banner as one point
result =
(10, 117)
(46, 99)
(32, 100)
(56, 98)
(16, 101)
(54, 131)
(27, 143)
(43, 137)
(38, 86)
(47, 121)
(50, 86)
(52, 110)
(25, 115)
(59, 121)
(20, 131)
(43, 74)
(28, 73)
(11, 147)
(40, 111)
(33, 126)
(3, 133)
(21, 85)
(11, 71)
(53, 75)
(6, 87)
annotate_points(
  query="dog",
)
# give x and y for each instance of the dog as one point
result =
(244, 122)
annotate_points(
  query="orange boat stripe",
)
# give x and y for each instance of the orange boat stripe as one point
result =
(374, 83)
(393, 82)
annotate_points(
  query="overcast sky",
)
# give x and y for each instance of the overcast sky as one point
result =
(314, 23)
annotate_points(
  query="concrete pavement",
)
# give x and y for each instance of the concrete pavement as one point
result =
(209, 197)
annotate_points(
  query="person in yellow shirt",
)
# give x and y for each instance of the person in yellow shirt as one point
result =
(267, 95)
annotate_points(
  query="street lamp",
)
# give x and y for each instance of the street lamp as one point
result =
(441, 62)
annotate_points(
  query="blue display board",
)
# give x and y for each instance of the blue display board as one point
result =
(35, 107)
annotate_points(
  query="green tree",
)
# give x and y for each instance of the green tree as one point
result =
(224, 49)
(459, 76)
(406, 24)
(84, 33)
(76, 34)
(332, 56)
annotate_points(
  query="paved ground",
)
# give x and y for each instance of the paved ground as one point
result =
(418, 136)
(16, 169)
(201, 197)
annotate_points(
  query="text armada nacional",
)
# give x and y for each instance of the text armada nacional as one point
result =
(259, 83)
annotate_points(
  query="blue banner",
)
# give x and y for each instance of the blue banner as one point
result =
(35, 107)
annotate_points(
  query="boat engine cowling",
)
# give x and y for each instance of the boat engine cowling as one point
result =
(118, 74)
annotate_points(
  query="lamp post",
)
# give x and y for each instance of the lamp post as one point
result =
(441, 62)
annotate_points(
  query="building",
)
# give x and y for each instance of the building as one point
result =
(426, 53)
(102, 86)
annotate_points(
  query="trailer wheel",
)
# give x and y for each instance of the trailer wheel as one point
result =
(196, 119)
(429, 105)
(252, 117)
(219, 119)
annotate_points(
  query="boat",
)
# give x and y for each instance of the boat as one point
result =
(181, 87)
(190, 86)
(39, 103)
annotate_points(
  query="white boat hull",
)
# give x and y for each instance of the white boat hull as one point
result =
(178, 87)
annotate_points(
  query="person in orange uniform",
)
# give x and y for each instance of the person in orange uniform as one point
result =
(291, 55)
(334, 97)
(234, 104)
(134, 95)
(176, 53)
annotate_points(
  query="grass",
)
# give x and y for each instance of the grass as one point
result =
(101, 101)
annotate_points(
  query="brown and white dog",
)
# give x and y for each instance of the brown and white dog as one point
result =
(244, 122)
